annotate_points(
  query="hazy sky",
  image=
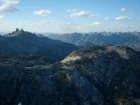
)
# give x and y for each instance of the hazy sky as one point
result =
(66, 16)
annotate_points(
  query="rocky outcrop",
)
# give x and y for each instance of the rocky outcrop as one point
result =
(113, 72)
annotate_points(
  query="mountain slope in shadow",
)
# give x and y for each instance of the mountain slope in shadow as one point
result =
(21, 42)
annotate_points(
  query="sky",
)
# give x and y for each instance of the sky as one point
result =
(68, 16)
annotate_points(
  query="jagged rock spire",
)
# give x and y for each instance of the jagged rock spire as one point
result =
(17, 29)
(22, 30)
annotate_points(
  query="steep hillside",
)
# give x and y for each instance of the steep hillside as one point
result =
(99, 75)
(21, 42)
(104, 75)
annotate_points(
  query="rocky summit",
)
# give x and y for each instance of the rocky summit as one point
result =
(98, 75)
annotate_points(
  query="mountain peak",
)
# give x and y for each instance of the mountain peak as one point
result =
(16, 33)
(22, 30)
(17, 30)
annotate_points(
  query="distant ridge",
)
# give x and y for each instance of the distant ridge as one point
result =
(21, 42)
(131, 39)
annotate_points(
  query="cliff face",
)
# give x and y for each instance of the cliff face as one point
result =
(102, 75)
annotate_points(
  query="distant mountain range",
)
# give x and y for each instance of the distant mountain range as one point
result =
(21, 42)
(3, 33)
(86, 40)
